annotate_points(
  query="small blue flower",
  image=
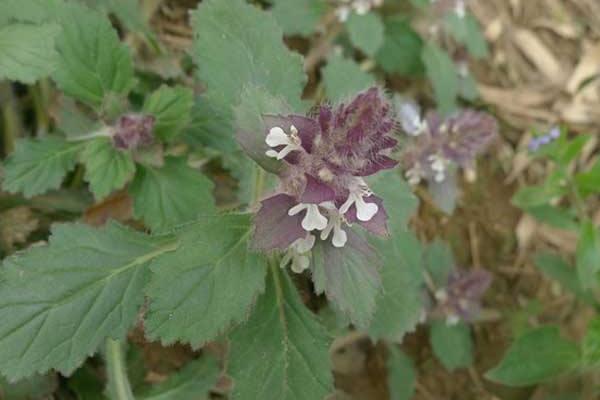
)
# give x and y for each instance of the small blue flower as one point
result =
(537, 142)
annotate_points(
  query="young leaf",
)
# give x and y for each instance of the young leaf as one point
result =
(282, 351)
(37, 166)
(171, 106)
(208, 284)
(366, 32)
(106, 168)
(170, 195)
(349, 276)
(299, 17)
(443, 76)
(402, 377)
(588, 256)
(452, 344)
(192, 382)
(92, 62)
(400, 303)
(401, 49)
(59, 302)
(343, 77)
(27, 51)
(236, 44)
(537, 356)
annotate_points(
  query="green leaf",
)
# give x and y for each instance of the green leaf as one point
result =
(443, 76)
(59, 302)
(589, 182)
(555, 267)
(32, 11)
(591, 344)
(399, 305)
(349, 276)
(170, 195)
(193, 382)
(299, 17)
(37, 166)
(236, 44)
(172, 107)
(401, 49)
(390, 185)
(208, 284)
(452, 344)
(343, 77)
(588, 256)
(439, 262)
(207, 128)
(538, 195)
(35, 387)
(92, 62)
(106, 168)
(537, 356)
(366, 32)
(553, 216)
(466, 31)
(402, 377)
(282, 351)
(27, 51)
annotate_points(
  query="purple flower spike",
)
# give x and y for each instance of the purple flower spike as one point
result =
(461, 298)
(316, 192)
(132, 131)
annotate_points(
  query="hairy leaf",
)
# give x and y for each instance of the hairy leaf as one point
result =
(282, 351)
(59, 302)
(106, 168)
(27, 51)
(172, 107)
(299, 16)
(37, 166)
(208, 284)
(343, 77)
(170, 195)
(366, 32)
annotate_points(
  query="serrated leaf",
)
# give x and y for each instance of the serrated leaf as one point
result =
(402, 377)
(236, 44)
(400, 303)
(27, 51)
(106, 169)
(343, 77)
(452, 344)
(537, 356)
(282, 351)
(170, 195)
(401, 49)
(466, 31)
(209, 129)
(349, 276)
(299, 17)
(208, 284)
(92, 62)
(192, 382)
(31, 11)
(37, 166)
(59, 302)
(588, 256)
(443, 76)
(171, 106)
(399, 200)
(366, 32)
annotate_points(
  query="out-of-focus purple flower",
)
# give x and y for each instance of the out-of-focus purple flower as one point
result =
(322, 191)
(539, 141)
(456, 140)
(461, 298)
(132, 131)
(409, 114)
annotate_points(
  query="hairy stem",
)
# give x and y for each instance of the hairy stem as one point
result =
(119, 387)
(11, 121)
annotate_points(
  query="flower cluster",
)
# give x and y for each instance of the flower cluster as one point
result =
(540, 141)
(360, 7)
(132, 131)
(461, 298)
(442, 143)
(322, 190)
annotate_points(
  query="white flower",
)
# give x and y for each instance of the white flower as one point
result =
(414, 175)
(278, 137)
(298, 254)
(342, 13)
(334, 224)
(410, 119)
(438, 165)
(364, 211)
(313, 218)
(460, 8)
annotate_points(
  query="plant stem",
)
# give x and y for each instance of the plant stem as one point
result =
(257, 184)
(40, 93)
(119, 387)
(11, 123)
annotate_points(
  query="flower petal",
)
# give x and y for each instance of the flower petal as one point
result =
(313, 219)
(376, 225)
(307, 128)
(277, 137)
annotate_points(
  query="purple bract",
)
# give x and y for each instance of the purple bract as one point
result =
(132, 131)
